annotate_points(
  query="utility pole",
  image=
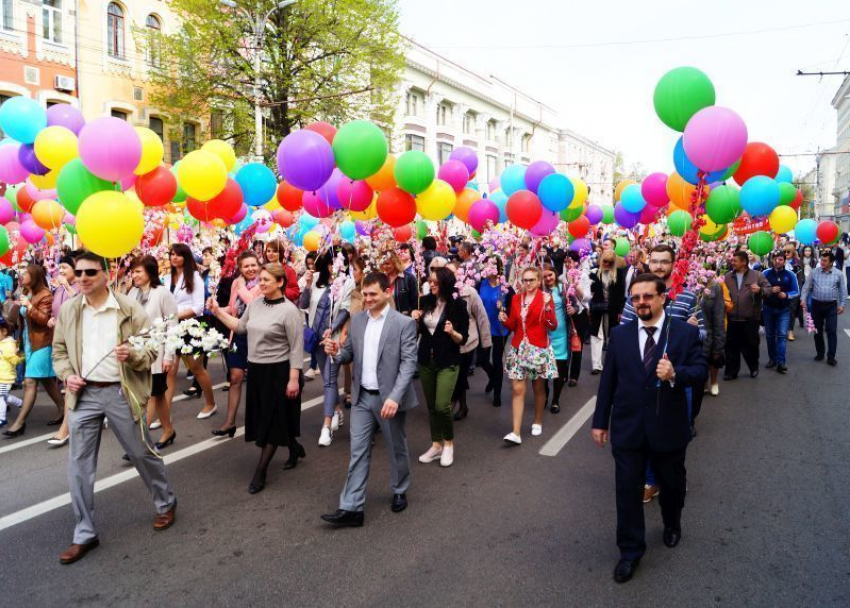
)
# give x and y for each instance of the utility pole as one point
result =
(802, 73)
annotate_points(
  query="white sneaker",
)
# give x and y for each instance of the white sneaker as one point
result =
(536, 430)
(513, 438)
(715, 389)
(431, 455)
(448, 456)
(310, 374)
(326, 437)
(155, 425)
(337, 421)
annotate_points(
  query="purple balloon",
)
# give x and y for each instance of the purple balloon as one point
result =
(31, 232)
(316, 202)
(546, 224)
(594, 214)
(12, 171)
(27, 158)
(715, 138)
(467, 156)
(110, 148)
(536, 172)
(579, 245)
(455, 174)
(625, 218)
(64, 115)
(362, 228)
(7, 211)
(305, 159)
(481, 212)
(331, 189)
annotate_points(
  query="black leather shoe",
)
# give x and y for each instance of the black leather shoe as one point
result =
(818, 357)
(555, 408)
(399, 503)
(672, 536)
(729, 377)
(770, 365)
(257, 484)
(831, 362)
(17, 433)
(343, 518)
(625, 570)
(754, 373)
(781, 369)
(192, 393)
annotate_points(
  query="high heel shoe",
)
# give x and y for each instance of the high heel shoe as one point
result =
(461, 413)
(256, 487)
(292, 461)
(164, 444)
(10, 433)
(222, 432)
(56, 422)
(192, 393)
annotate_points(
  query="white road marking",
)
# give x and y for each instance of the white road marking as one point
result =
(566, 432)
(847, 331)
(113, 480)
(43, 438)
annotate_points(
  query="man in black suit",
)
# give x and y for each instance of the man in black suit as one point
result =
(642, 399)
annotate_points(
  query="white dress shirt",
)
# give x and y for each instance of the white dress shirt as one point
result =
(643, 336)
(186, 300)
(371, 341)
(100, 336)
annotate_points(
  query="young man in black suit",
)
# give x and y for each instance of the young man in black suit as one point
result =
(642, 399)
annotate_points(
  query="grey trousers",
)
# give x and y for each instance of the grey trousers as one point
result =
(364, 414)
(85, 428)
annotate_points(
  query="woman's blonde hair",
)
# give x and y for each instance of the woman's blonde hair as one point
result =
(535, 270)
(277, 271)
(609, 256)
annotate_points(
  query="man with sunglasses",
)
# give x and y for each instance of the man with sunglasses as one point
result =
(105, 377)
(643, 407)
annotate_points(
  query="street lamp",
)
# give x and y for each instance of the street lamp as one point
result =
(258, 25)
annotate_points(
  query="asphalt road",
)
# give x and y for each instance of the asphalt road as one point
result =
(765, 522)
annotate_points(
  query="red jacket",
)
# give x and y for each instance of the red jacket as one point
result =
(538, 322)
(292, 290)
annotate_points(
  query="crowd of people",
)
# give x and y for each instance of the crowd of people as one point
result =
(367, 323)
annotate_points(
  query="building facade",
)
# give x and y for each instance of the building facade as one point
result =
(841, 153)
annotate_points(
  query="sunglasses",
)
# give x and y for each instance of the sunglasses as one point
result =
(89, 272)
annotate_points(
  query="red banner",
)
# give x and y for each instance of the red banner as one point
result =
(747, 225)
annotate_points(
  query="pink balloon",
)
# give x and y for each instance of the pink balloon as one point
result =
(494, 184)
(356, 196)
(110, 148)
(715, 138)
(65, 115)
(7, 212)
(39, 195)
(316, 204)
(654, 189)
(455, 174)
(31, 232)
(128, 181)
(263, 219)
(70, 220)
(239, 215)
(481, 212)
(11, 169)
(649, 214)
(546, 224)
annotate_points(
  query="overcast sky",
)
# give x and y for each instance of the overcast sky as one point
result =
(597, 62)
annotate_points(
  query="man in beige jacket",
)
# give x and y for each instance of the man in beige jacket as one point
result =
(105, 377)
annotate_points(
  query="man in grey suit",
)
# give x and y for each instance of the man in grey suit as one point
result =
(382, 345)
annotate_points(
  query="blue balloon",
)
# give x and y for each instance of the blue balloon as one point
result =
(689, 171)
(257, 182)
(632, 199)
(500, 199)
(298, 239)
(760, 195)
(243, 225)
(347, 230)
(785, 175)
(21, 118)
(307, 221)
(556, 192)
(806, 231)
(513, 179)
(472, 186)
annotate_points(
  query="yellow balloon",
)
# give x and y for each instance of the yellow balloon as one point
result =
(45, 182)
(223, 150)
(580, 195)
(437, 202)
(312, 240)
(48, 214)
(783, 219)
(55, 147)
(135, 200)
(618, 192)
(152, 151)
(369, 213)
(109, 224)
(273, 205)
(202, 174)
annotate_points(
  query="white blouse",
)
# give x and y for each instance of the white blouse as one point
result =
(186, 300)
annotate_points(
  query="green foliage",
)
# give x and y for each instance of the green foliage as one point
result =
(315, 55)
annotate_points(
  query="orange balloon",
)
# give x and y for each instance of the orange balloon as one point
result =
(680, 192)
(622, 186)
(384, 179)
(48, 214)
(465, 200)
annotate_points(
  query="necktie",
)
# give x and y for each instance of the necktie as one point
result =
(649, 348)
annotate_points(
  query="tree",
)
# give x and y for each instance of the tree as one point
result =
(635, 171)
(333, 60)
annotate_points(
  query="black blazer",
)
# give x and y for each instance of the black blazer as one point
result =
(405, 293)
(630, 400)
(616, 300)
(440, 347)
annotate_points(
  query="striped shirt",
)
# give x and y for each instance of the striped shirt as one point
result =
(683, 308)
(825, 286)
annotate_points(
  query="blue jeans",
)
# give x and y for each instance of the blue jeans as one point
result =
(330, 372)
(776, 321)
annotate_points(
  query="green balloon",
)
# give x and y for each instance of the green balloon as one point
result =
(723, 204)
(787, 193)
(71, 229)
(607, 214)
(414, 171)
(360, 149)
(180, 195)
(421, 229)
(681, 93)
(568, 215)
(760, 243)
(4, 240)
(75, 184)
(713, 236)
(12, 196)
(730, 171)
(476, 235)
(679, 222)
(622, 246)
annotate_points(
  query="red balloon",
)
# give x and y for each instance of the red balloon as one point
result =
(758, 159)
(524, 209)
(18, 245)
(156, 188)
(798, 200)
(199, 210)
(25, 201)
(289, 197)
(827, 232)
(325, 129)
(403, 233)
(284, 217)
(396, 207)
(225, 204)
(579, 227)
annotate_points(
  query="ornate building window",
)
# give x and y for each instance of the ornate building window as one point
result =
(115, 30)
